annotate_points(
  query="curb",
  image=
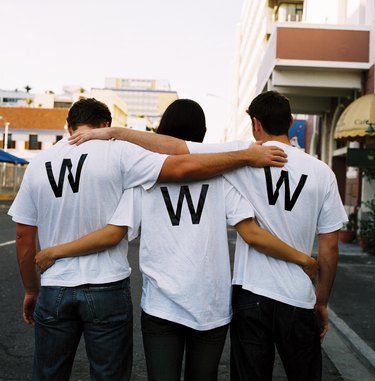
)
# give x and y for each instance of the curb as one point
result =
(353, 358)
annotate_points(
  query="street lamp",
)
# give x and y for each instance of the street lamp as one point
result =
(6, 131)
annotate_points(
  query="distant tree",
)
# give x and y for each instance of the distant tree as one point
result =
(29, 101)
(27, 88)
(82, 90)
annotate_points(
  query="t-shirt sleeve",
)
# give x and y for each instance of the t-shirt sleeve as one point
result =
(128, 212)
(237, 207)
(217, 147)
(332, 215)
(23, 208)
(140, 167)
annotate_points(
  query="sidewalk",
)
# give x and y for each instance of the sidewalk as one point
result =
(350, 343)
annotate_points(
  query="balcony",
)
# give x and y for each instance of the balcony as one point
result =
(312, 63)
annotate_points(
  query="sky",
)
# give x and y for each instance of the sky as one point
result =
(49, 44)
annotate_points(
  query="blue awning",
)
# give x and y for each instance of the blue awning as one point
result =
(6, 157)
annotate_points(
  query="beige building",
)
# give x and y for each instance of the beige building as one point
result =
(70, 95)
(146, 99)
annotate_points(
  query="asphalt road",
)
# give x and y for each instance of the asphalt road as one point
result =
(16, 338)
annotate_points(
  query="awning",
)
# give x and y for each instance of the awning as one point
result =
(357, 118)
(6, 157)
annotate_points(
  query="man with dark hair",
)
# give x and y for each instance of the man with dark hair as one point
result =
(278, 305)
(274, 302)
(70, 191)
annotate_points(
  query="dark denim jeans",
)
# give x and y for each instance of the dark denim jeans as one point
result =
(102, 312)
(164, 344)
(260, 323)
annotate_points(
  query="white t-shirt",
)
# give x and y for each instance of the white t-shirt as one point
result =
(294, 203)
(69, 191)
(184, 253)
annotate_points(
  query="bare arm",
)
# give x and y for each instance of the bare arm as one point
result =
(265, 242)
(328, 254)
(196, 167)
(150, 141)
(26, 243)
(98, 240)
(259, 156)
(200, 166)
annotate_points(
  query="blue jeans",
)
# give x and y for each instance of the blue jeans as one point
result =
(102, 312)
(258, 325)
(165, 342)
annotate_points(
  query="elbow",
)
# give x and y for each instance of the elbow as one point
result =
(114, 240)
(179, 149)
(180, 171)
(255, 240)
(252, 241)
(116, 236)
(183, 172)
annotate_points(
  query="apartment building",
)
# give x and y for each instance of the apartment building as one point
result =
(72, 94)
(321, 55)
(146, 99)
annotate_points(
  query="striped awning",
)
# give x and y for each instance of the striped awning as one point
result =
(358, 119)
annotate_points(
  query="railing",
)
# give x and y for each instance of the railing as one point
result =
(10, 179)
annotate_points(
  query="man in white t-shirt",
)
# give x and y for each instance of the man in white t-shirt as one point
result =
(67, 192)
(274, 303)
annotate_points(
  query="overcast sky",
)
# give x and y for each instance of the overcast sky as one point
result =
(48, 44)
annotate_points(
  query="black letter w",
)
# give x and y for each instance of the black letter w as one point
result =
(185, 192)
(74, 183)
(284, 178)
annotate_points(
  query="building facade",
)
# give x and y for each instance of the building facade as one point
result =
(72, 94)
(146, 99)
(16, 98)
(321, 55)
(30, 129)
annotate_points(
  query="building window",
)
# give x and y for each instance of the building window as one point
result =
(62, 104)
(11, 143)
(10, 100)
(289, 11)
(33, 142)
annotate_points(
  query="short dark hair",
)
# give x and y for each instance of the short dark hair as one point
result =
(272, 109)
(88, 111)
(183, 119)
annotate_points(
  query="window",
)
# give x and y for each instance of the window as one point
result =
(289, 11)
(33, 142)
(11, 143)
(62, 104)
(10, 100)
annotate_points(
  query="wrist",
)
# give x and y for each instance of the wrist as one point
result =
(305, 260)
(115, 133)
(53, 253)
(32, 291)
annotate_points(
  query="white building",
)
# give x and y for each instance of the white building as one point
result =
(321, 55)
(15, 98)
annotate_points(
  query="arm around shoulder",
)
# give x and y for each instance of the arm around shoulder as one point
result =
(150, 141)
